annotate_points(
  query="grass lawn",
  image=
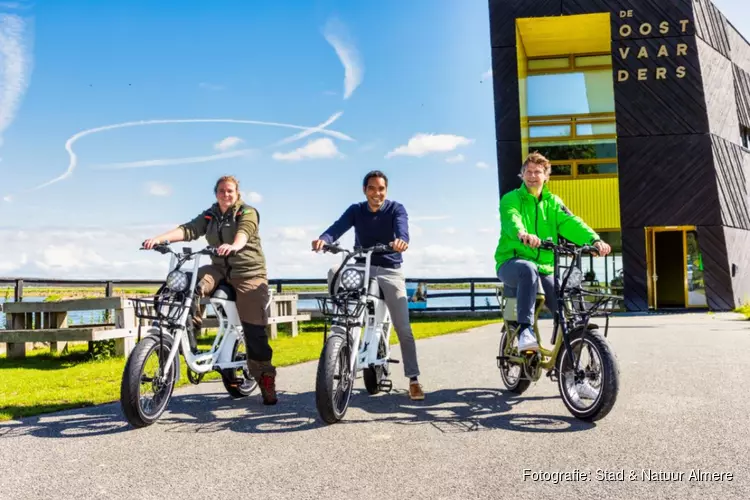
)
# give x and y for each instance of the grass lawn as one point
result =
(44, 383)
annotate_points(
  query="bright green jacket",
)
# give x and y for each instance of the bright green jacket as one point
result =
(546, 217)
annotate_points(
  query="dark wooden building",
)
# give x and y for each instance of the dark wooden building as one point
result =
(644, 108)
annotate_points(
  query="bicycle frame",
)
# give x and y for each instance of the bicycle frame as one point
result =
(363, 335)
(221, 353)
(564, 320)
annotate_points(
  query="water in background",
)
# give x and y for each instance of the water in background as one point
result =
(433, 301)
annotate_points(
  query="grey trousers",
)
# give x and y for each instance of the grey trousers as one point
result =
(393, 285)
(521, 279)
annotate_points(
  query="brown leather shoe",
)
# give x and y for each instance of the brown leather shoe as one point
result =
(267, 386)
(415, 391)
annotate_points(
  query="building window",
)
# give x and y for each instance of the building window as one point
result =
(745, 135)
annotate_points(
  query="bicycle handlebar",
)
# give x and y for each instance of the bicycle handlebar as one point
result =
(378, 248)
(570, 249)
(163, 248)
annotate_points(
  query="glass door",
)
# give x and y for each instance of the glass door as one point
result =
(674, 268)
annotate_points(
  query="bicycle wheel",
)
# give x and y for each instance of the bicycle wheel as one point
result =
(334, 380)
(142, 374)
(511, 373)
(590, 391)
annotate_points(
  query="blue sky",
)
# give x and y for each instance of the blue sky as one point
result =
(417, 67)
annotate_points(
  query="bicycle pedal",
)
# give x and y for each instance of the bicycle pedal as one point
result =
(552, 375)
(393, 361)
(385, 385)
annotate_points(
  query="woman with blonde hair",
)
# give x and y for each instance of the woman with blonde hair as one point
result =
(231, 226)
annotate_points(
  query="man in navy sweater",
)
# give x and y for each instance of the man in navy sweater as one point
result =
(383, 221)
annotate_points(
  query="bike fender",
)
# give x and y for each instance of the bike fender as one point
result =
(579, 329)
(154, 332)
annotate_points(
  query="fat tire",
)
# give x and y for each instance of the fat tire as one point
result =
(131, 381)
(521, 384)
(329, 357)
(610, 387)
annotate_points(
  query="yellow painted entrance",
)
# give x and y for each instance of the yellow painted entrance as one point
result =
(674, 268)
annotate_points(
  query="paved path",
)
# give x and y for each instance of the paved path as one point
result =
(683, 406)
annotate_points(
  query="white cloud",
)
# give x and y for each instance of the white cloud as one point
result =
(481, 164)
(314, 149)
(455, 159)
(449, 230)
(422, 144)
(423, 218)
(210, 86)
(15, 66)
(162, 162)
(488, 230)
(8, 199)
(295, 233)
(252, 197)
(228, 143)
(158, 189)
(487, 74)
(113, 253)
(336, 34)
(73, 158)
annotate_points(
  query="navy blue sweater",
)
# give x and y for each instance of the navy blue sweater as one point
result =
(370, 228)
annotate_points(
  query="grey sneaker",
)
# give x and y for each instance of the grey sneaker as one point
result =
(527, 340)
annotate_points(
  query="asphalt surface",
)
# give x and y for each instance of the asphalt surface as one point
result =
(682, 407)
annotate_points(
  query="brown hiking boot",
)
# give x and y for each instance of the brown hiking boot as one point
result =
(415, 391)
(267, 384)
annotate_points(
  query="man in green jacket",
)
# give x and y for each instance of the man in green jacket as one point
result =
(528, 216)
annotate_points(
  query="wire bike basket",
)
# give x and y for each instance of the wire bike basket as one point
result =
(342, 308)
(161, 308)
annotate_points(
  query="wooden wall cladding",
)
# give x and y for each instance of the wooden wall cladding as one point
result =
(717, 276)
(732, 164)
(508, 165)
(634, 269)
(637, 13)
(742, 94)
(506, 95)
(740, 48)
(737, 243)
(661, 95)
(667, 181)
(711, 26)
(503, 14)
(719, 91)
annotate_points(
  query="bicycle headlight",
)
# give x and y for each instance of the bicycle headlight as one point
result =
(177, 281)
(575, 278)
(352, 279)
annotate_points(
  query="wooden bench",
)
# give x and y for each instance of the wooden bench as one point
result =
(283, 309)
(29, 322)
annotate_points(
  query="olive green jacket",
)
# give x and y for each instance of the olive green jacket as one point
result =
(218, 228)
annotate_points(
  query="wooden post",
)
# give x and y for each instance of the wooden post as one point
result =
(57, 320)
(293, 313)
(125, 318)
(472, 290)
(272, 328)
(15, 322)
(18, 292)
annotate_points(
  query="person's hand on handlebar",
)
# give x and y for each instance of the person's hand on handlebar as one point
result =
(530, 239)
(226, 249)
(602, 248)
(398, 245)
(151, 243)
(317, 245)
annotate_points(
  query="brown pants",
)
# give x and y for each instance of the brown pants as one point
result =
(252, 301)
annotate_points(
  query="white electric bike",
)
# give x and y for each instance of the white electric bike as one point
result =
(359, 339)
(153, 366)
